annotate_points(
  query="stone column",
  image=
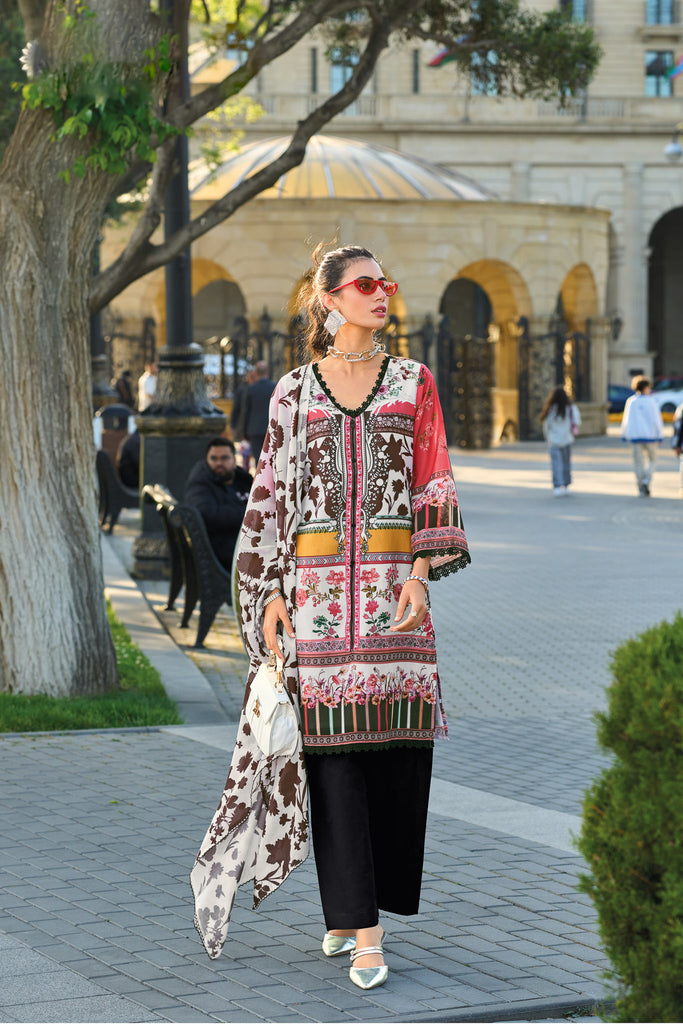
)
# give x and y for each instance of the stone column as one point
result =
(631, 350)
(594, 412)
(541, 373)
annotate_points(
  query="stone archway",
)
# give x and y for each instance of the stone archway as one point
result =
(485, 300)
(217, 300)
(577, 307)
(665, 297)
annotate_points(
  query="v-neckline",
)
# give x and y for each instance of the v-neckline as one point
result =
(365, 404)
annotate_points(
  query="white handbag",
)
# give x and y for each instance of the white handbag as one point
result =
(270, 712)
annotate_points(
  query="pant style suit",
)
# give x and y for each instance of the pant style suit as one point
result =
(342, 502)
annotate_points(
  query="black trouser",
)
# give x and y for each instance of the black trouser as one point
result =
(368, 821)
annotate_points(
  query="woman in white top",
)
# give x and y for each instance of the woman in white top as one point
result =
(561, 421)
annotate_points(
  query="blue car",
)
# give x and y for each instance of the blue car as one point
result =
(617, 395)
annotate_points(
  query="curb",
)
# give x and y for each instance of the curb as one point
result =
(183, 681)
(537, 1009)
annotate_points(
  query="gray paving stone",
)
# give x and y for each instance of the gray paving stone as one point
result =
(105, 1009)
(514, 695)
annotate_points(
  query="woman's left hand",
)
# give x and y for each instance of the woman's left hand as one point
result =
(412, 593)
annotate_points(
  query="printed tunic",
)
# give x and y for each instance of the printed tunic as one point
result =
(377, 492)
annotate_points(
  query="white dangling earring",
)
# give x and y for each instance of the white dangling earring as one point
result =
(334, 321)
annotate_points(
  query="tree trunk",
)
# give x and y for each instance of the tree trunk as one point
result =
(54, 635)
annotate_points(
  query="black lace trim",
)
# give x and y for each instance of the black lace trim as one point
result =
(361, 408)
(440, 571)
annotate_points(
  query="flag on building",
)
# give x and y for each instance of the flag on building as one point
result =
(442, 57)
(677, 69)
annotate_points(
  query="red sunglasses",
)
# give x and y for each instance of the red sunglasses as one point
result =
(368, 285)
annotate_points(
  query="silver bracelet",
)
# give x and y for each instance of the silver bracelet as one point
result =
(423, 581)
(271, 597)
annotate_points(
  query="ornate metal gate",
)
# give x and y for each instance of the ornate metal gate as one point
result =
(465, 376)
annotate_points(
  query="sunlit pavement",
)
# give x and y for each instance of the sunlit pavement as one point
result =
(100, 830)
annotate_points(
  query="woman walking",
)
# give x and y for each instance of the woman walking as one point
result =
(352, 513)
(561, 420)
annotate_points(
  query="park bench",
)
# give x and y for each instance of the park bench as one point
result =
(193, 562)
(114, 496)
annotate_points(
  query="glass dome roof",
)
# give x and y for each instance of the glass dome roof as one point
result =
(336, 168)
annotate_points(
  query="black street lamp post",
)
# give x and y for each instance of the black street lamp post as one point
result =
(175, 427)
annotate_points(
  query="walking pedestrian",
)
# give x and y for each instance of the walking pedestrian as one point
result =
(352, 514)
(642, 425)
(147, 385)
(256, 406)
(561, 420)
(124, 387)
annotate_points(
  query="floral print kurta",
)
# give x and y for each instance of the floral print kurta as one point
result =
(378, 491)
(342, 502)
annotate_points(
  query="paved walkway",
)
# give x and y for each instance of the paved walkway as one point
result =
(99, 830)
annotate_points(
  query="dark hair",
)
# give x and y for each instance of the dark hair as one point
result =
(220, 442)
(327, 274)
(559, 398)
(642, 384)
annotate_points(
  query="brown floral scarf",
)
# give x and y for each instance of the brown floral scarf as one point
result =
(260, 829)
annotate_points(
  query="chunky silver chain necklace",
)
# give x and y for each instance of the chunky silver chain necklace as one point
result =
(356, 357)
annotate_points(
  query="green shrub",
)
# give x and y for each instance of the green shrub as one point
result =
(632, 834)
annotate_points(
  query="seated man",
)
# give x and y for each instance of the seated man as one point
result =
(219, 488)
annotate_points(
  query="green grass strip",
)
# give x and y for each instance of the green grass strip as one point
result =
(139, 699)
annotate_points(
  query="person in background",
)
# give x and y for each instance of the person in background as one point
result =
(237, 417)
(124, 387)
(641, 424)
(256, 409)
(128, 461)
(147, 385)
(677, 441)
(219, 489)
(561, 420)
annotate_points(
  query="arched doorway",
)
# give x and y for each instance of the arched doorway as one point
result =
(577, 305)
(665, 296)
(484, 303)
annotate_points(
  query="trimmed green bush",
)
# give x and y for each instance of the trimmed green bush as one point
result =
(632, 834)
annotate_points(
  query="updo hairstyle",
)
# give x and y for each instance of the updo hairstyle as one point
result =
(327, 273)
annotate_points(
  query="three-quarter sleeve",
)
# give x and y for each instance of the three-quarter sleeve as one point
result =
(437, 522)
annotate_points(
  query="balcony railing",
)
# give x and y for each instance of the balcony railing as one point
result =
(447, 110)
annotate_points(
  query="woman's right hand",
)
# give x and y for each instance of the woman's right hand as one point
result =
(276, 612)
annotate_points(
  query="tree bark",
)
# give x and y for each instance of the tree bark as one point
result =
(54, 634)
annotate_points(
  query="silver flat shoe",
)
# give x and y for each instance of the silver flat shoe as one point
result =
(368, 977)
(335, 945)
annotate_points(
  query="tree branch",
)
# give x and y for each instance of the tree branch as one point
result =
(33, 16)
(263, 53)
(131, 266)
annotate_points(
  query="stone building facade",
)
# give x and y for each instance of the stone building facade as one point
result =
(575, 236)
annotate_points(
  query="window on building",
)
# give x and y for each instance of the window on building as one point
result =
(416, 71)
(660, 12)
(483, 82)
(577, 10)
(314, 70)
(341, 69)
(657, 65)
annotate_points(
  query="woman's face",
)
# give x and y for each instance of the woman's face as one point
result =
(368, 311)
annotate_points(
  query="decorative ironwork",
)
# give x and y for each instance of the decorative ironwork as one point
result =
(465, 380)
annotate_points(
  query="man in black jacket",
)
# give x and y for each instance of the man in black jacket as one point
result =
(255, 411)
(219, 488)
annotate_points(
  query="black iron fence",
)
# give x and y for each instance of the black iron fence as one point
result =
(464, 366)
